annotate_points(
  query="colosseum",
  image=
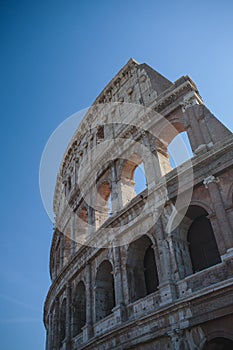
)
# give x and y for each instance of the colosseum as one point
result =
(149, 268)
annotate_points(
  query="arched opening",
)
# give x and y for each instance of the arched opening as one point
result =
(179, 150)
(62, 323)
(104, 291)
(150, 271)
(219, 344)
(169, 135)
(133, 179)
(79, 308)
(141, 269)
(103, 203)
(140, 179)
(100, 133)
(82, 223)
(202, 243)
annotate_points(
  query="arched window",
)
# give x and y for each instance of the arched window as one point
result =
(179, 150)
(62, 319)
(82, 224)
(133, 180)
(100, 133)
(172, 144)
(219, 344)
(103, 205)
(79, 308)
(202, 244)
(150, 271)
(141, 269)
(104, 291)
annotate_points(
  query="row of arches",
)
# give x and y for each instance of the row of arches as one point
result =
(133, 180)
(112, 194)
(142, 271)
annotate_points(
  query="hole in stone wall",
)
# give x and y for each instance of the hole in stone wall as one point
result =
(79, 308)
(202, 243)
(179, 150)
(219, 344)
(104, 291)
(103, 204)
(133, 179)
(140, 179)
(141, 269)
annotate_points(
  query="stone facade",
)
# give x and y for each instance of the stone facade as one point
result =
(152, 270)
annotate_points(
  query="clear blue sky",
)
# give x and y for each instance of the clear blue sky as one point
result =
(56, 57)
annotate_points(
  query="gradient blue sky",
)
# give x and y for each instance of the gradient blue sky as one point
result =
(56, 57)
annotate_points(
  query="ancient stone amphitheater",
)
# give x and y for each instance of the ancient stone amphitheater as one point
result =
(147, 269)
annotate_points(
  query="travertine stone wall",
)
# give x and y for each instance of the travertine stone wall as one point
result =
(120, 278)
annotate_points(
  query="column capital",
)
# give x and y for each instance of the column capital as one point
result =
(209, 179)
(189, 100)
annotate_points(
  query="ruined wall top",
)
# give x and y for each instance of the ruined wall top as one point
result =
(135, 84)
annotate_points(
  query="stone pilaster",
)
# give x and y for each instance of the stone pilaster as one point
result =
(68, 317)
(55, 327)
(88, 328)
(62, 246)
(166, 277)
(125, 288)
(224, 234)
(73, 233)
(116, 202)
(119, 310)
(91, 218)
(198, 142)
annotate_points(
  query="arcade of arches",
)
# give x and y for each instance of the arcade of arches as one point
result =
(142, 272)
(163, 289)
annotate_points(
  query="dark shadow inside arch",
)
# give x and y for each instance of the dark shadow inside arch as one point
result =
(104, 291)
(219, 344)
(201, 239)
(79, 308)
(62, 323)
(141, 269)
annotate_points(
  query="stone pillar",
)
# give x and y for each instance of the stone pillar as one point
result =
(184, 254)
(125, 288)
(116, 205)
(119, 309)
(224, 234)
(54, 266)
(88, 328)
(118, 276)
(166, 277)
(154, 165)
(73, 233)
(172, 246)
(163, 262)
(68, 317)
(195, 130)
(55, 327)
(61, 250)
